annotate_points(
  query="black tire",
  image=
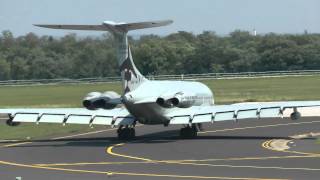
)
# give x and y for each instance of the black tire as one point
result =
(183, 133)
(12, 124)
(194, 134)
(132, 133)
(295, 116)
(126, 134)
(120, 134)
(188, 133)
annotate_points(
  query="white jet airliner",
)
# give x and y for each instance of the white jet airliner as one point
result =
(149, 102)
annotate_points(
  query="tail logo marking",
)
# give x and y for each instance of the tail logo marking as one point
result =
(127, 69)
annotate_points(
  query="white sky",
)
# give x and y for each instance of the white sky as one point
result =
(221, 16)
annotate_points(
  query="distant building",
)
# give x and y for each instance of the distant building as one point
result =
(254, 32)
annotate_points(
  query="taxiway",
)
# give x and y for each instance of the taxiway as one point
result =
(225, 150)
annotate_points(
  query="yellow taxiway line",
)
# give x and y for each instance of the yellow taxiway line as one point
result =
(181, 162)
(172, 161)
(111, 173)
(16, 144)
(62, 137)
(92, 163)
(241, 158)
(83, 134)
(109, 150)
(267, 145)
(262, 126)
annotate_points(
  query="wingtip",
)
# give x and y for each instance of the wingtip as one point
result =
(168, 21)
(38, 25)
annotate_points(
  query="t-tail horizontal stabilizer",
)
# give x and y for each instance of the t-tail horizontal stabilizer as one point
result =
(109, 26)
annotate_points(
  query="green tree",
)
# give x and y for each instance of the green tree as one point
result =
(19, 69)
(4, 69)
(31, 56)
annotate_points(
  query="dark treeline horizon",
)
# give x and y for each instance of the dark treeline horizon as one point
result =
(46, 57)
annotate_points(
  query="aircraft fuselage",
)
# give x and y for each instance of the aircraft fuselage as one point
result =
(141, 102)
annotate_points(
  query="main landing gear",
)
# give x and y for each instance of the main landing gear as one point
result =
(10, 122)
(126, 132)
(295, 115)
(189, 132)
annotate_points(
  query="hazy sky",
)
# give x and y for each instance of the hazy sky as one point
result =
(221, 16)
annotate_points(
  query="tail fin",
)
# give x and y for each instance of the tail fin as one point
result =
(131, 77)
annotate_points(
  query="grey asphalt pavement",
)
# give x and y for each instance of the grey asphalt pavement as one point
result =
(225, 150)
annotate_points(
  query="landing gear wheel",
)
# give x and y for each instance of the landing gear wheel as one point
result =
(189, 132)
(295, 115)
(132, 133)
(126, 133)
(10, 122)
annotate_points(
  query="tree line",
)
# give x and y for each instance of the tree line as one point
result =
(45, 57)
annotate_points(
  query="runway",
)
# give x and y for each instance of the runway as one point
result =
(225, 150)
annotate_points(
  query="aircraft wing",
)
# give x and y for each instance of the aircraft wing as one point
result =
(117, 116)
(202, 114)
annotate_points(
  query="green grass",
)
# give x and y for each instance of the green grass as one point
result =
(50, 95)
(226, 91)
(266, 89)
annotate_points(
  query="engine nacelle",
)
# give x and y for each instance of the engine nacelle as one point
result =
(90, 100)
(183, 101)
(180, 100)
(97, 100)
(166, 103)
